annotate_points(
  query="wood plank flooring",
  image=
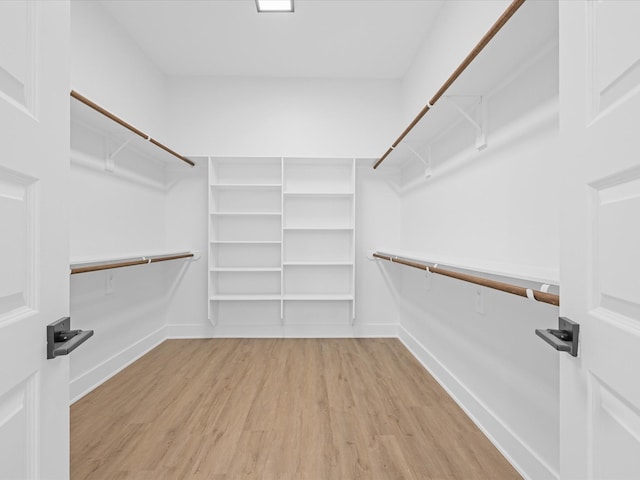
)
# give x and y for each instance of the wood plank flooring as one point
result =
(277, 409)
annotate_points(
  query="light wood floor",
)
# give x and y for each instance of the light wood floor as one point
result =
(275, 409)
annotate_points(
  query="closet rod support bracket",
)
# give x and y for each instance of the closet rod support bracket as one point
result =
(109, 163)
(425, 161)
(479, 123)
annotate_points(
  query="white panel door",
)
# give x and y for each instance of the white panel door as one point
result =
(600, 247)
(34, 269)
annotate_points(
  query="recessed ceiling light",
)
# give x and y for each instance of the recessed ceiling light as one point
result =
(274, 6)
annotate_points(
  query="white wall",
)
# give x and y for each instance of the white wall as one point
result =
(187, 229)
(109, 68)
(377, 225)
(284, 117)
(493, 210)
(450, 40)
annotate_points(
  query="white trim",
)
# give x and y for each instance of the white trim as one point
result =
(526, 461)
(88, 381)
(200, 330)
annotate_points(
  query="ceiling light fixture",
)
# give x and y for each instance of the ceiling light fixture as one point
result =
(280, 6)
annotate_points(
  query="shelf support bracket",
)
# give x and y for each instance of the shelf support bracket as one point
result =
(479, 124)
(425, 161)
(109, 162)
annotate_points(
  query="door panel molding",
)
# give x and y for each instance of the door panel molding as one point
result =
(19, 433)
(612, 79)
(614, 239)
(18, 64)
(614, 433)
(18, 246)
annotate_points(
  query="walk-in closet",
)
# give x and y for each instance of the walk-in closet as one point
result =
(311, 239)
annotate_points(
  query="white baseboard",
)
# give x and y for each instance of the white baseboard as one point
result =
(376, 330)
(305, 331)
(523, 458)
(190, 331)
(95, 377)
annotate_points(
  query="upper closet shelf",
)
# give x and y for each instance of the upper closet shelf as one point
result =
(105, 122)
(522, 33)
(541, 295)
(319, 194)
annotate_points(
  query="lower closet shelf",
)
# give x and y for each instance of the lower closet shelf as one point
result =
(95, 266)
(243, 298)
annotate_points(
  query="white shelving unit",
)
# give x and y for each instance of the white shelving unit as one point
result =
(282, 231)
(245, 232)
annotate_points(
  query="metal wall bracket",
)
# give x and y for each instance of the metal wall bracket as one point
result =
(565, 338)
(425, 160)
(479, 123)
(61, 340)
(110, 157)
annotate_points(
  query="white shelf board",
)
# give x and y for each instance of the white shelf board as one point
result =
(246, 242)
(247, 214)
(526, 273)
(250, 160)
(246, 269)
(328, 229)
(317, 297)
(318, 264)
(319, 194)
(318, 162)
(244, 298)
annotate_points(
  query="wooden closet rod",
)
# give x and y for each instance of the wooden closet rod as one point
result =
(540, 296)
(127, 125)
(508, 13)
(129, 263)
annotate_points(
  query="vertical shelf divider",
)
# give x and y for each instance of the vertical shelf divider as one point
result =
(353, 241)
(211, 253)
(281, 243)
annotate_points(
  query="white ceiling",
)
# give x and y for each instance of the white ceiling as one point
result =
(322, 39)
